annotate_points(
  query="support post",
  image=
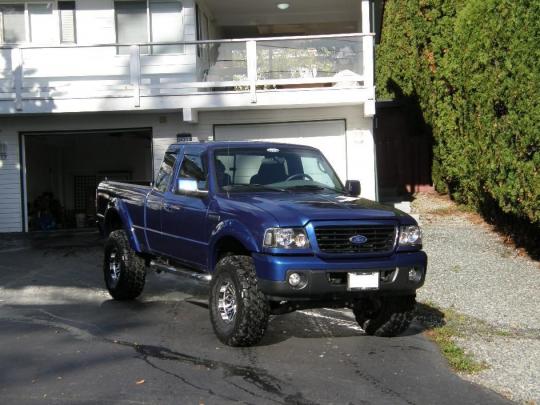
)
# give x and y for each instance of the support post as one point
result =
(366, 16)
(368, 58)
(135, 73)
(190, 115)
(251, 54)
(17, 71)
(367, 52)
(369, 104)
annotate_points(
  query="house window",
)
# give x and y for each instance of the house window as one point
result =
(166, 25)
(202, 25)
(131, 25)
(202, 33)
(42, 23)
(36, 22)
(12, 23)
(66, 10)
(143, 21)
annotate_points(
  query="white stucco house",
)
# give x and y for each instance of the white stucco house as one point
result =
(99, 88)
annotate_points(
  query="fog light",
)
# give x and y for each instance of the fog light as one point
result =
(415, 275)
(297, 280)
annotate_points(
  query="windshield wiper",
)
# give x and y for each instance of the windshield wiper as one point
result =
(313, 187)
(257, 187)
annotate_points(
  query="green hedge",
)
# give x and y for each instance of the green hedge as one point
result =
(473, 67)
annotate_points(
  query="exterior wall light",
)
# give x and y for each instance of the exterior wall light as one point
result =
(283, 6)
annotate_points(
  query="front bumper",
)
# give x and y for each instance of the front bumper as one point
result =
(327, 279)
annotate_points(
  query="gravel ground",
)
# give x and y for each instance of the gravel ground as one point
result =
(473, 272)
(513, 365)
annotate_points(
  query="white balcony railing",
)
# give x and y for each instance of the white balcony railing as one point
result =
(33, 73)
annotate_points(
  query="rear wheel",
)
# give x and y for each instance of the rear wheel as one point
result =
(387, 316)
(239, 311)
(123, 270)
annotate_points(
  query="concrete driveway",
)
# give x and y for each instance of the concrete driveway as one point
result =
(63, 340)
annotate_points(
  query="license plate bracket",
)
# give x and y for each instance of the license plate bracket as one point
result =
(363, 280)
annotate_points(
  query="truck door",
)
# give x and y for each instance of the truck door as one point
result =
(183, 215)
(154, 203)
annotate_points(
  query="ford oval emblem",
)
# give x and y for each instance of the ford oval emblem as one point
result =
(358, 239)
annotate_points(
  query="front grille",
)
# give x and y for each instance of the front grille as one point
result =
(336, 239)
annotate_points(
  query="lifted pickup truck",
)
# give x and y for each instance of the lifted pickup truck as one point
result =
(272, 228)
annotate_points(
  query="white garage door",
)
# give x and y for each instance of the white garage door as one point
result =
(327, 136)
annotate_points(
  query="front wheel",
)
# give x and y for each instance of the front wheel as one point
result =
(124, 271)
(387, 316)
(239, 311)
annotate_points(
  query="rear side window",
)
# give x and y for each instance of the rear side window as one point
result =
(165, 172)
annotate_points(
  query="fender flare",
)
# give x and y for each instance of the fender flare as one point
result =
(230, 228)
(117, 207)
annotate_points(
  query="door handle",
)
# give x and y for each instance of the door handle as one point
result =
(170, 207)
(214, 217)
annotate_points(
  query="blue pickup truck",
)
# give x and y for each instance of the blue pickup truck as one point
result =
(272, 228)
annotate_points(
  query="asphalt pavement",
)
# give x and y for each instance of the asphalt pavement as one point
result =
(64, 341)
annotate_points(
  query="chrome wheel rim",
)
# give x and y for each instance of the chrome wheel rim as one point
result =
(227, 302)
(114, 267)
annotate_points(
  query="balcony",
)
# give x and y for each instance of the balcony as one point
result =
(201, 75)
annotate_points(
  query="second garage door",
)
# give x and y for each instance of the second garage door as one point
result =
(327, 136)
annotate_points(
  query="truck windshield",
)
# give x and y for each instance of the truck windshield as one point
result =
(274, 169)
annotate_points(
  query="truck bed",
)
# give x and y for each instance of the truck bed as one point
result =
(132, 194)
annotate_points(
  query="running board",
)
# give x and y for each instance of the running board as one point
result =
(202, 277)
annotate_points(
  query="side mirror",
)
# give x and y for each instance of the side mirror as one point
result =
(353, 187)
(190, 187)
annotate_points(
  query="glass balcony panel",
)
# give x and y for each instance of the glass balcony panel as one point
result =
(309, 58)
(222, 62)
(167, 49)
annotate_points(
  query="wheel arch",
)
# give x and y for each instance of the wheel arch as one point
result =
(228, 245)
(232, 237)
(117, 218)
(112, 222)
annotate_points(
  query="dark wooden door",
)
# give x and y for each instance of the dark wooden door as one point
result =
(404, 151)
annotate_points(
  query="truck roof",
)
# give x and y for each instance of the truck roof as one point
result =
(211, 145)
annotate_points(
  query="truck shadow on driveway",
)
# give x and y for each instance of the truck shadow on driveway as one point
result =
(68, 270)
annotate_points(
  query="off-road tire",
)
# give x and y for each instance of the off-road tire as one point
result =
(130, 283)
(388, 316)
(249, 323)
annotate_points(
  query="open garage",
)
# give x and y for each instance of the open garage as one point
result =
(62, 170)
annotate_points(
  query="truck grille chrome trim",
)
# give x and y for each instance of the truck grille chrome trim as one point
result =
(339, 239)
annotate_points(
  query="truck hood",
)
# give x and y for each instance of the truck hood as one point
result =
(297, 209)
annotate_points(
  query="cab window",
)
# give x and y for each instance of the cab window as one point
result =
(194, 167)
(165, 172)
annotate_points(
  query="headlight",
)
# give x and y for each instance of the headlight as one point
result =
(286, 238)
(410, 235)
